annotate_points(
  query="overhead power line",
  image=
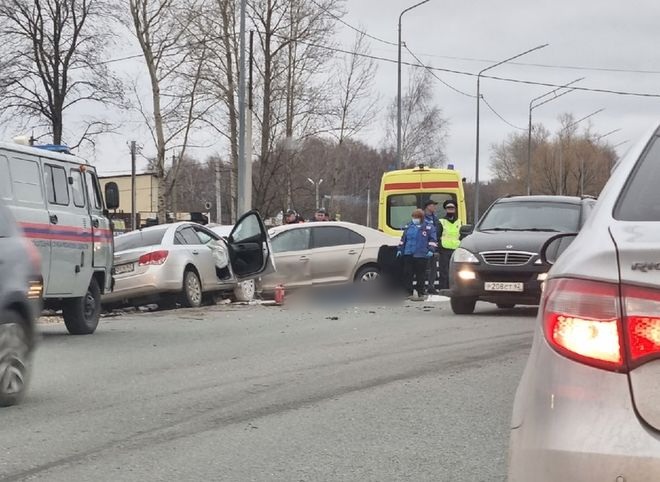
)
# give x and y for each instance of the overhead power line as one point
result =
(428, 69)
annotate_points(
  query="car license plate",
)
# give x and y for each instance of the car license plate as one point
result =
(124, 268)
(501, 286)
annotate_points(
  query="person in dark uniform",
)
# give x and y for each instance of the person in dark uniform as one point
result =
(432, 268)
(418, 243)
(292, 217)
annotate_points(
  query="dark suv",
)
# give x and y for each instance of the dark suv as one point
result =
(499, 261)
(20, 303)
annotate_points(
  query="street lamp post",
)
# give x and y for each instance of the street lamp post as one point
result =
(398, 91)
(532, 106)
(476, 162)
(316, 187)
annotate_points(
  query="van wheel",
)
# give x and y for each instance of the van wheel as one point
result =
(463, 306)
(191, 295)
(81, 315)
(14, 355)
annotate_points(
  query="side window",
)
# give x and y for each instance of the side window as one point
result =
(77, 188)
(204, 236)
(187, 235)
(93, 190)
(331, 236)
(356, 238)
(292, 240)
(640, 200)
(25, 181)
(248, 229)
(5, 179)
(57, 185)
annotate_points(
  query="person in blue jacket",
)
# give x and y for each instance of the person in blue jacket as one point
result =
(418, 243)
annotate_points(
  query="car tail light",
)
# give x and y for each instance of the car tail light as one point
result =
(582, 321)
(642, 315)
(153, 258)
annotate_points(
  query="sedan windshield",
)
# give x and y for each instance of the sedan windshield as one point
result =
(140, 239)
(532, 216)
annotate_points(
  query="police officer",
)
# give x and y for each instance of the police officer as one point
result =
(449, 236)
(292, 217)
(418, 243)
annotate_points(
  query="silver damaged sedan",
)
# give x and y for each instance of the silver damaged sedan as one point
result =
(182, 262)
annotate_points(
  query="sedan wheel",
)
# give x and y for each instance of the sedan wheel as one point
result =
(192, 290)
(367, 275)
(245, 291)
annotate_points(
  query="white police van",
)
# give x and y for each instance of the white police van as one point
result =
(56, 199)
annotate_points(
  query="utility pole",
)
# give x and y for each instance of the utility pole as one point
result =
(218, 192)
(133, 194)
(369, 206)
(244, 184)
(174, 196)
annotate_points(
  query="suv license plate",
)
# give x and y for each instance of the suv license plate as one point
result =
(500, 286)
(124, 268)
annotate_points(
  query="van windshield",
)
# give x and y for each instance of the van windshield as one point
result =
(401, 206)
(140, 239)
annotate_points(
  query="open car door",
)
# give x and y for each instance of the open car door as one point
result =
(249, 248)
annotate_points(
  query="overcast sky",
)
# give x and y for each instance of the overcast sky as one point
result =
(613, 44)
(595, 39)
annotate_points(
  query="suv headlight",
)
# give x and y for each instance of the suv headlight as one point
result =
(462, 255)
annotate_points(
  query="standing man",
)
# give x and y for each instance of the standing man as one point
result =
(321, 215)
(292, 217)
(418, 243)
(430, 217)
(449, 235)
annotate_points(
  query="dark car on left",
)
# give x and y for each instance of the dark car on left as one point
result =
(499, 261)
(21, 289)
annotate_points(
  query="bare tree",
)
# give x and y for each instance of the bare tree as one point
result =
(424, 130)
(174, 59)
(291, 98)
(355, 106)
(53, 55)
(586, 161)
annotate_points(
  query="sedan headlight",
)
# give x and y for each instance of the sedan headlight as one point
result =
(462, 255)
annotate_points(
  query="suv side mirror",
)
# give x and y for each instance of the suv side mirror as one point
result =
(555, 246)
(465, 230)
(111, 195)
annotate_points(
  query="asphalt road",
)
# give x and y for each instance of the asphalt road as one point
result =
(256, 393)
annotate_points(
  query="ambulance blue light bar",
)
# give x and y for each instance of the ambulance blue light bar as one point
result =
(54, 148)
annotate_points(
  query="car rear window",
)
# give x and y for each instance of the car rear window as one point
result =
(139, 239)
(640, 199)
(532, 215)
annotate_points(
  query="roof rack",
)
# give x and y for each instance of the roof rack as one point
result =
(62, 149)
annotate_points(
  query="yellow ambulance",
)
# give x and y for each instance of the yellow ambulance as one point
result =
(404, 190)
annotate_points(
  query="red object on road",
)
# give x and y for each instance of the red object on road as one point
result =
(279, 294)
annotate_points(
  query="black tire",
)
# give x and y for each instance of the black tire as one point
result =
(81, 315)
(14, 359)
(367, 274)
(191, 293)
(505, 306)
(463, 306)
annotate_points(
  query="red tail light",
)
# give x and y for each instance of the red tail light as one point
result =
(582, 321)
(155, 257)
(642, 315)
